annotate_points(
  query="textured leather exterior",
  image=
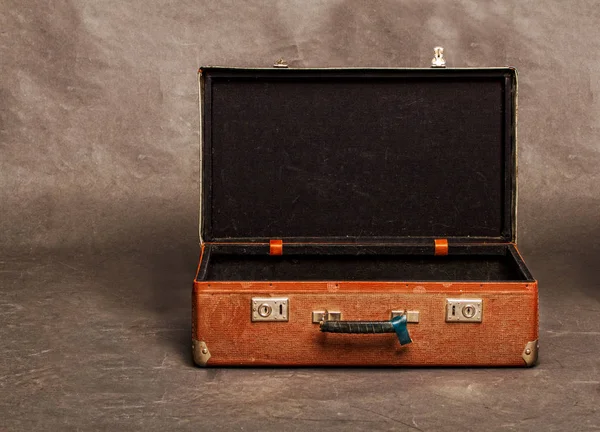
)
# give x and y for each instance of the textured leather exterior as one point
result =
(222, 320)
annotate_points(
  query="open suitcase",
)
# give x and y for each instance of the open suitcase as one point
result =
(362, 217)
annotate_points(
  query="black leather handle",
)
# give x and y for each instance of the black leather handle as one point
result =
(396, 325)
(357, 327)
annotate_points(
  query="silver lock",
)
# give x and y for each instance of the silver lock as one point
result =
(270, 309)
(469, 311)
(264, 310)
(464, 310)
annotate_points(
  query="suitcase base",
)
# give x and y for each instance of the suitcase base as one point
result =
(224, 333)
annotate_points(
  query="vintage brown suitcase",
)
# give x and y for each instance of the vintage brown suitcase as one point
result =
(361, 217)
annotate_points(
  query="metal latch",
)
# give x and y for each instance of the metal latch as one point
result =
(438, 58)
(321, 316)
(411, 316)
(281, 63)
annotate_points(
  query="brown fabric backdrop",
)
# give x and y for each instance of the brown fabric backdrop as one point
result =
(99, 117)
(99, 200)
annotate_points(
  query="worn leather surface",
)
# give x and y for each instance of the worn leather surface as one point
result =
(99, 118)
(499, 340)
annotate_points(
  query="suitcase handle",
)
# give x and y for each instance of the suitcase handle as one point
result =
(396, 325)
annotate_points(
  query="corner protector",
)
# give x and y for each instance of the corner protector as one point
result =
(200, 352)
(530, 353)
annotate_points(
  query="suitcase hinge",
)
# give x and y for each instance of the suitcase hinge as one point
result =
(441, 247)
(275, 247)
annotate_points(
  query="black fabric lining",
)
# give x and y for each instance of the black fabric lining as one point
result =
(357, 154)
(362, 268)
(489, 263)
(357, 249)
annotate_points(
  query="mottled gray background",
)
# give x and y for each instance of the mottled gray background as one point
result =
(99, 196)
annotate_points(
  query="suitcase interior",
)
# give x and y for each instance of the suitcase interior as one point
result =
(488, 263)
(358, 171)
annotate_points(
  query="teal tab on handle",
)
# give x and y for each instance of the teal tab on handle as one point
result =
(399, 324)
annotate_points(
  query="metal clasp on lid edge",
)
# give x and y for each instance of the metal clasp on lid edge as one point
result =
(281, 63)
(438, 60)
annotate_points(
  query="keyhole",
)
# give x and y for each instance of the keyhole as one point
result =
(469, 311)
(453, 310)
(264, 310)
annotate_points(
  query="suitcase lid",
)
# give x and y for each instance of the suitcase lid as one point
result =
(358, 155)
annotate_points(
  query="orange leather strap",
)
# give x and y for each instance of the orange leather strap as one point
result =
(276, 247)
(441, 247)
